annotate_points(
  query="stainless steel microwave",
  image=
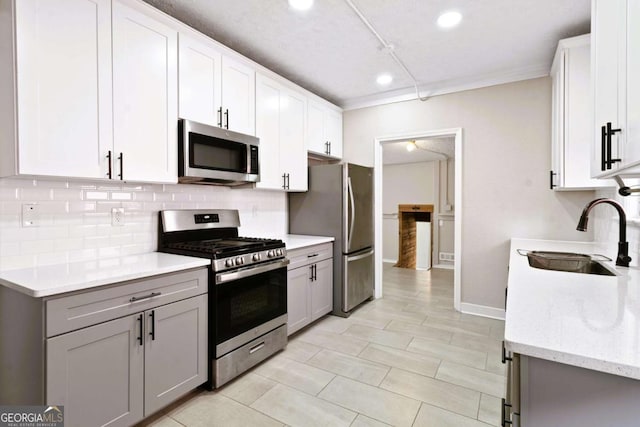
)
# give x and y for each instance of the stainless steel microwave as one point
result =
(213, 155)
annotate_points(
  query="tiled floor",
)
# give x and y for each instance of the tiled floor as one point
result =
(406, 359)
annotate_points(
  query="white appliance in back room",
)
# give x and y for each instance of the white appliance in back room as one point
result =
(339, 203)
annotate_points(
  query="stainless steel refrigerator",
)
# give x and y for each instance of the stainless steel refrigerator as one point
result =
(339, 203)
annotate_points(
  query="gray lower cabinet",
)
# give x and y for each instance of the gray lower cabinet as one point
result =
(543, 393)
(175, 351)
(97, 373)
(309, 285)
(112, 355)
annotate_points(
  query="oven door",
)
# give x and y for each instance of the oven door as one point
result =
(248, 303)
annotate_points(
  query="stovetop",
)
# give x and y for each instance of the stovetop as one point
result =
(214, 234)
(217, 248)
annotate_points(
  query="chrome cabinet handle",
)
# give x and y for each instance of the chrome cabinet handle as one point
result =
(226, 114)
(220, 117)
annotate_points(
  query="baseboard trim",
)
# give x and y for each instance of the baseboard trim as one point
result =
(482, 310)
(394, 261)
(444, 266)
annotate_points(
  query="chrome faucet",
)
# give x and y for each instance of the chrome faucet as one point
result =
(623, 257)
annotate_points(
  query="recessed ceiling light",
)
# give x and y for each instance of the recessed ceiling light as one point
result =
(301, 4)
(449, 19)
(411, 145)
(384, 79)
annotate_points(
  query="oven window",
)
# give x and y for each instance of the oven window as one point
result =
(243, 304)
(207, 152)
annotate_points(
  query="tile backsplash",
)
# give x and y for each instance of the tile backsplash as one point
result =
(73, 218)
(606, 221)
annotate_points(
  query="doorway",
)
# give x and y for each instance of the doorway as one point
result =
(454, 135)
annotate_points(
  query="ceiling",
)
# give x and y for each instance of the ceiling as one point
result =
(329, 51)
(428, 150)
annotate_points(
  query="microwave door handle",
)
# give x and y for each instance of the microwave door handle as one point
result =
(353, 213)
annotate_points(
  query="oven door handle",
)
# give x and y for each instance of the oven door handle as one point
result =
(251, 271)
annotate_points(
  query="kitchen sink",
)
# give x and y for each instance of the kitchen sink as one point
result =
(567, 261)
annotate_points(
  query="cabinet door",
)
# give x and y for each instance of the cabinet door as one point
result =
(293, 150)
(238, 96)
(607, 18)
(145, 96)
(64, 87)
(322, 289)
(268, 130)
(200, 69)
(97, 373)
(298, 301)
(333, 131)
(632, 150)
(175, 351)
(316, 141)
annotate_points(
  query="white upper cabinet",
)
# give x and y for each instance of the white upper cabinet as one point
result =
(63, 64)
(145, 96)
(200, 67)
(215, 89)
(238, 96)
(324, 130)
(96, 86)
(571, 115)
(615, 63)
(280, 125)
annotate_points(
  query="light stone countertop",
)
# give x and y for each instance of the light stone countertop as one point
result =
(297, 241)
(584, 320)
(60, 278)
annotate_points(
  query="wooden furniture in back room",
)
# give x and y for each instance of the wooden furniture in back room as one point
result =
(408, 215)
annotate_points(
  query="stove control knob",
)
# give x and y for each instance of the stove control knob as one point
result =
(229, 263)
(256, 257)
(271, 254)
(279, 252)
(239, 261)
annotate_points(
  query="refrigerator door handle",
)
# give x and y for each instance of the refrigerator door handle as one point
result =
(361, 256)
(353, 214)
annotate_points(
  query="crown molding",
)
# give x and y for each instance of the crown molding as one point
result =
(446, 86)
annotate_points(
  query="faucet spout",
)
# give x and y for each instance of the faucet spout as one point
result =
(623, 257)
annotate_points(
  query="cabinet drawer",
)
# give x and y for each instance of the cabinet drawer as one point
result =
(88, 308)
(310, 254)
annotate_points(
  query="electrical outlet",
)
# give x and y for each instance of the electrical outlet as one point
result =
(29, 215)
(117, 217)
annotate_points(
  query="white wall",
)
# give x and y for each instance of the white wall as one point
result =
(506, 162)
(75, 217)
(410, 183)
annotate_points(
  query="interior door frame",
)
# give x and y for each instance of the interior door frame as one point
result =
(456, 133)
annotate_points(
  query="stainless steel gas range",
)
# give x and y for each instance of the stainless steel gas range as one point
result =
(247, 287)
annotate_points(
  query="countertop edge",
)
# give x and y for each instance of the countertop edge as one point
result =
(186, 263)
(299, 241)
